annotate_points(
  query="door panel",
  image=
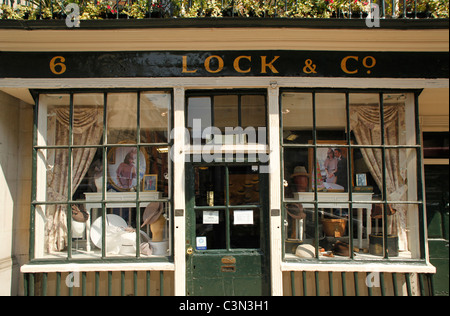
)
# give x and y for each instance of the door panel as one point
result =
(227, 230)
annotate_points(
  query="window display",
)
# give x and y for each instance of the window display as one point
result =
(346, 188)
(103, 175)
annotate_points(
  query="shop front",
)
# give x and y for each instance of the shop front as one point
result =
(226, 172)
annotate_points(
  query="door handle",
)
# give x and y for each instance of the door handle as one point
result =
(190, 251)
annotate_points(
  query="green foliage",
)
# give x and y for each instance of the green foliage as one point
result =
(140, 9)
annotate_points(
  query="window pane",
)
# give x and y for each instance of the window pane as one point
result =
(199, 117)
(156, 177)
(245, 228)
(87, 173)
(364, 179)
(210, 225)
(210, 186)
(53, 124)
(297, 118)
(155, 116)
(401, 174)
(226, 112)
(122, 117)
(365, 118)
(53, 166)
(87, 119)
(297, 171)
(331, 118)
(244, 185)
(122, 172)
(253, 111)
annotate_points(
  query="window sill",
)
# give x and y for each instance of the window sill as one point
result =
(352, 266)
(97, 267)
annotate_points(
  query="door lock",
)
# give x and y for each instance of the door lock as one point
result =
(190, 251)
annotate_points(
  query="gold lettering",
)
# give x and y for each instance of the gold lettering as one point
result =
(373, 62)
(61, 65)
(344, 65)
(208, 61)
(185, 71)
(264, 65)
(238, 68)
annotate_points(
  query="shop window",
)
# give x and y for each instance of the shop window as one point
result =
(103, 175)
(350, 176)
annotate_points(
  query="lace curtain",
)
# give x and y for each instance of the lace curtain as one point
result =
(365, 124)
(87, 129)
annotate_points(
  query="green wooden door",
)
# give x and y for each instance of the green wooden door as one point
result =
(227, 232)
(437, 196)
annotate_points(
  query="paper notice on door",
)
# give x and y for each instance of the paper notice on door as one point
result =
(210, 217)
(243, 217)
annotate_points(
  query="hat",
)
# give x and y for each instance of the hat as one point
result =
(152, 213)
(295, 210)
(300, 171)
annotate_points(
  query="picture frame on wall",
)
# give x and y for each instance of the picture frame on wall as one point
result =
(150, 183)
(361, 180)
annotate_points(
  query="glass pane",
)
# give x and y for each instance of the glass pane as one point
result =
(401, 174)
(156, 177)
(122, 117)
(53, 124)
(331, 118)
(363, 169)
(394, 120)
(368, 161)
(297, 171)
(210, 186)
(52, 165)
(87, 174)
(199, 117)
(210, 229)
(253, 111)
(87, 119)
(402, 233)
(123, 173)
(155, 116)
(365, 121)
(226, 112)
(245, 228)
(51, 237)
(297, 118)
(244, 185)
(300, 230)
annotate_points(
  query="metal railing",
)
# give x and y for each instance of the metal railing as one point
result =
(145, 9)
